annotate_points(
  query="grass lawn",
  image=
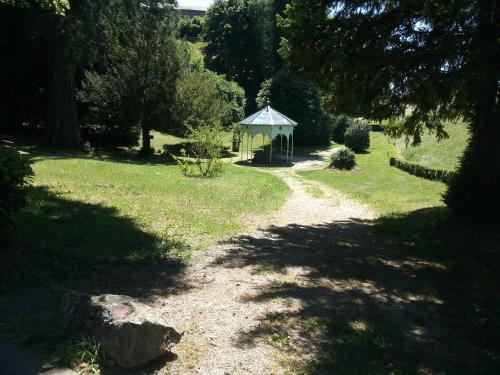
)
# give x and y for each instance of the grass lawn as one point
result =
(83, 211)
(442, 154)
(385, 188)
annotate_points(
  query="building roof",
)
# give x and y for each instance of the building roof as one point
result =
(268, 116)
(192, 8)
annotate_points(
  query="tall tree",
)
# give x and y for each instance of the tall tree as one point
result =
(142, 66)
(239, 37)
(70, 48)
(44, 43)
(439, 59)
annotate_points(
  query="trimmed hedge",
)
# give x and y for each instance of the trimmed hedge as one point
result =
(421, 171)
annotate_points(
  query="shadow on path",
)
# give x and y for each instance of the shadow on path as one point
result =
(377, 303)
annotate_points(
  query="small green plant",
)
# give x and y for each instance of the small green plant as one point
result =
(85, 354)
(343, 158)
(282, 338)
(357, 137)
(204, 156)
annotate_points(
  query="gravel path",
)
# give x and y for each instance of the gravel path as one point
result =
(219, 307)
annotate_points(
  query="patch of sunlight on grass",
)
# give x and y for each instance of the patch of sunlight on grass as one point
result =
(375, 182)
(160, 199)
(442, 154)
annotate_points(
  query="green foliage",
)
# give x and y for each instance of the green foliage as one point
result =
(85, 354)
(372, 59)
(197, 100)
(59, 7)
(232, 94)
(282, 338)
(137, 86)
(342, 122)
(343, 158)
(239, 37)
(300, 101)
(357, 137)
(422, 171)
(204, 157)
(110, 120)
(191, 28)
(15, 176)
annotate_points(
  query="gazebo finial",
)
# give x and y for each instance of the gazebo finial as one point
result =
(268, 103)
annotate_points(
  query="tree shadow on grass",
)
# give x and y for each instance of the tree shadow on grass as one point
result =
(89, 247)
(421, 299)
(62, 244)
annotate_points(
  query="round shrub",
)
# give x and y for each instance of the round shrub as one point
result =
(357, 137)
(340, 126)
(343, 158)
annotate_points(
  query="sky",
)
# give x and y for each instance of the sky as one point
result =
(196, 3)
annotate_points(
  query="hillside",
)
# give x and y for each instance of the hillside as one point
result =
(442, 154)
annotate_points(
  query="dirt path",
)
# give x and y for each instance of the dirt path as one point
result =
(221, 305)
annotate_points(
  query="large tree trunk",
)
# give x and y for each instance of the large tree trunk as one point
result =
(63, 131)
(64, 49)
(475, 192)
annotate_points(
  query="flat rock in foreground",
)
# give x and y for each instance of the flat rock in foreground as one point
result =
(131, 332)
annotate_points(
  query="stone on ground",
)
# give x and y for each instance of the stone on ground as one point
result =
(130, 332)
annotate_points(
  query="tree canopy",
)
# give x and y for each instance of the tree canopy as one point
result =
(142, 64)
(239, 42)
(424, 61)
(300, 101)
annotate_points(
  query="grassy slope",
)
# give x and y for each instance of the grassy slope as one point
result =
(384, 187)
(85, 211)
(440, 155)
(159, 198)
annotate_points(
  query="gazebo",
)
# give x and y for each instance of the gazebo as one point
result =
(271, 123)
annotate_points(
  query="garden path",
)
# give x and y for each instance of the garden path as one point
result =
(220, 306)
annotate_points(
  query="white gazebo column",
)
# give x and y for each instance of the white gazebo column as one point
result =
(287, 148)
(281, 148)
(251, 148)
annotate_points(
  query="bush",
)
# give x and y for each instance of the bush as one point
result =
(340, 126)
(206, 149)
(357, 137)
(191, 29)
(206, 97)
(232, 94)
(343, 158)
(15, 176)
